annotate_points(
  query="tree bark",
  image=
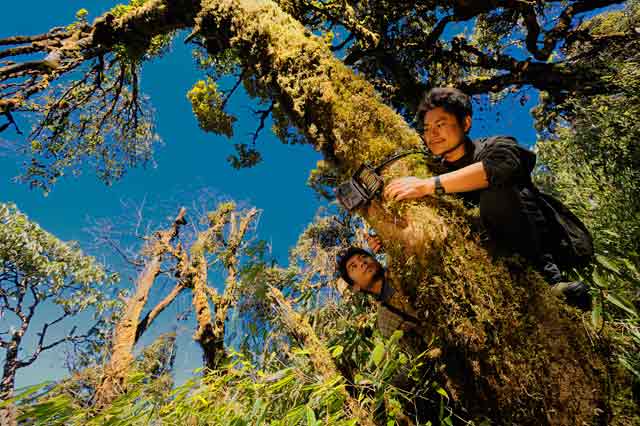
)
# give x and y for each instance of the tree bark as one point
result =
(8, 414)
(499, 326)
(211, 327)
(210, 339)
(125, 335)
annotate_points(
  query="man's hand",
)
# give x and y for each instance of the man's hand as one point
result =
(408, 188)
(374, 243)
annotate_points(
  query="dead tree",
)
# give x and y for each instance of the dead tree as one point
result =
(128, 328)
(223, 239)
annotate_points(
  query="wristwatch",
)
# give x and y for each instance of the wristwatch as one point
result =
(439, 190)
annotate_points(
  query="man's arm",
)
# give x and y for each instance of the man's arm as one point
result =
(469, 178)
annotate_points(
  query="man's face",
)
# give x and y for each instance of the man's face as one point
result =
(443, 131)
(363, 271)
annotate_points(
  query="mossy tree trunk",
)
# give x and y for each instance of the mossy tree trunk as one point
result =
(223, 239)
(127, 330)
(512, 352)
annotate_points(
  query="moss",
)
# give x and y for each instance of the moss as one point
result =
(145, 49)
(512, 352)
(207, 105)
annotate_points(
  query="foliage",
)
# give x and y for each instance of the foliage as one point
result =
(207, 107)
(616, 282)
(51, 265)
(594, 163)
(244, 394)
(37, 269)
(591, 160)
(69, 403)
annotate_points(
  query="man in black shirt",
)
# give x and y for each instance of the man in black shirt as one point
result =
(492, 173)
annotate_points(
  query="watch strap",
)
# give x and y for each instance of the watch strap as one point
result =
(439, 189)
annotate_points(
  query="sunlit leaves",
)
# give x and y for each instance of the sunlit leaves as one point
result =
(207, 104)
(48, 264)
(100, 120)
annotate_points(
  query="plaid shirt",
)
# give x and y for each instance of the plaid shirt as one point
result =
(395, 312)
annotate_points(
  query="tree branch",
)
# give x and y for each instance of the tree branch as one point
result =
(41, 347)
(562, 27)
(264, 114)
(144, 324)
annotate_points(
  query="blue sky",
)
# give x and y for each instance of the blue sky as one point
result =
(188, 160)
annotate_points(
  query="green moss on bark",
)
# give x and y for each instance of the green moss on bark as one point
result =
(511, 351)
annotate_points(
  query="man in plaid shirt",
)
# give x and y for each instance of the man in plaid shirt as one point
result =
(361, 270)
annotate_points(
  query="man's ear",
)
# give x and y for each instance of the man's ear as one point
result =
(467, 123)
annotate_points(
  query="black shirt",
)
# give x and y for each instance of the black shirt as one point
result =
(505, 163)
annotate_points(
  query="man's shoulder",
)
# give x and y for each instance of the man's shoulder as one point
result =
(487, 141)
(492, 144)
(388, 321)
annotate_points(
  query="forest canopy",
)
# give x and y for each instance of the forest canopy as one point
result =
(344, 77)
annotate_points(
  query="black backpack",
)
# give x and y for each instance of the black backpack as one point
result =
(574, 247)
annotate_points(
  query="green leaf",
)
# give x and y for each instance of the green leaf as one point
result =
(607, 263)
(599, 280)
(443, 392)
(631, 267)
(378, 354)
(396, 336)
(621, 303)
(447, 421)
(626, 364)
(311, 417)
(596, 316)
(337, 351)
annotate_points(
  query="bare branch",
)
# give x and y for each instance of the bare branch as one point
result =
(232, 90)
(31, 39)
(264, 114)
(41, 347)
(144, 324)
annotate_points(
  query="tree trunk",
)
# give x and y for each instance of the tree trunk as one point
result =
(126, 335)
(8, 414)
(511, 351)
(210, 338)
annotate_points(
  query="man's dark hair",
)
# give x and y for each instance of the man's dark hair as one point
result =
(453, 101)
(344, 258)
